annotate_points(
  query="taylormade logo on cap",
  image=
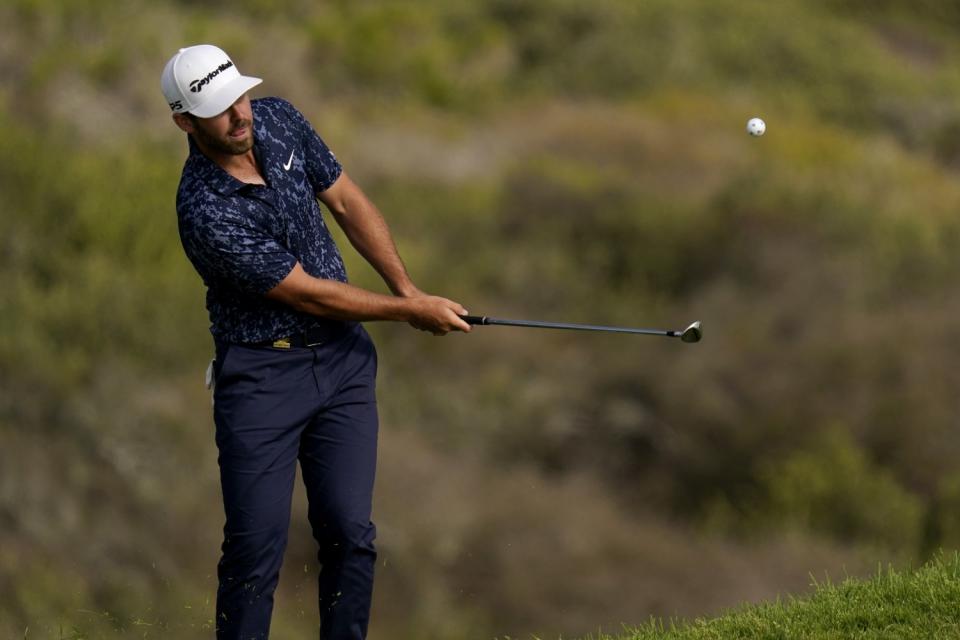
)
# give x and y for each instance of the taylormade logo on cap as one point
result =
(197, 85)
(203, 80)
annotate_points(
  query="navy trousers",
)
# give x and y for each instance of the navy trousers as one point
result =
(273, 407)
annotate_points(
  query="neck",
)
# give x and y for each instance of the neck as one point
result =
(242, 166)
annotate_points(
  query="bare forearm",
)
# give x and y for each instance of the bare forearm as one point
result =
(341, 301)
(374, 242)
(369, 234)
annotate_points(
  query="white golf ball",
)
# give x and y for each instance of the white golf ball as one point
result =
(756, 126)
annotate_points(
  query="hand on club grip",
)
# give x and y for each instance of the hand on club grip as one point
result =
(437, 315)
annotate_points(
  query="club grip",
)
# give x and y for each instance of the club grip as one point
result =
(474, 319)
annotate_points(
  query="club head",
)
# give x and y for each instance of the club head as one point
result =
(692, 333)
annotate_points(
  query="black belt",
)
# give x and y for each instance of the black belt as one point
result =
(311, 337)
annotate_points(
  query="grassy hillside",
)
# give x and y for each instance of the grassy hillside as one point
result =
(547, 159)
(907, 604)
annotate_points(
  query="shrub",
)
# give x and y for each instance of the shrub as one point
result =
(833, 487)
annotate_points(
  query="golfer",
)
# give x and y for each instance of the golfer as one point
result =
(294, 371)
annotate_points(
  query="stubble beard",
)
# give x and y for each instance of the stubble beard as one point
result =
(225, 144)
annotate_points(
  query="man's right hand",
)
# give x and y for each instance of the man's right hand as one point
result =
(437, 315)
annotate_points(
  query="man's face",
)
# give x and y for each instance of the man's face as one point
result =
(230, 132)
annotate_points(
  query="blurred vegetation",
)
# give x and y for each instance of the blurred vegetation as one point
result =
(546, 159)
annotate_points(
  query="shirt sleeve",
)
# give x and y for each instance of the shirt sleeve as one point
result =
(322, 166)
(229, 250)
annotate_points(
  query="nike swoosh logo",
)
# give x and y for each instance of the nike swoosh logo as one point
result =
(289, 164)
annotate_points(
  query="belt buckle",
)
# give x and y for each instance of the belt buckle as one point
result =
(282, 343)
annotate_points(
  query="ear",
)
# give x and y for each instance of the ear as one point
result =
(184, 122)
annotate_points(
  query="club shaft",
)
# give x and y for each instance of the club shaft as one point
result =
(536, 324)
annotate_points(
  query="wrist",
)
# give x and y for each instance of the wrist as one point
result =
(408, 308)
(407, 290)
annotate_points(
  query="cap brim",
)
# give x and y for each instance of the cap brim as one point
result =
(226, 96)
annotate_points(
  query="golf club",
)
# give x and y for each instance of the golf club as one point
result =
(691, 334)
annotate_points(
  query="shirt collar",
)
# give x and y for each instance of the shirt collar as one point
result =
(205, 169)
(213, 174)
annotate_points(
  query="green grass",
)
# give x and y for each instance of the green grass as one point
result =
(894, 605)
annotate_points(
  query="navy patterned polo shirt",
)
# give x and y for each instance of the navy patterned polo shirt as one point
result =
(243, 239)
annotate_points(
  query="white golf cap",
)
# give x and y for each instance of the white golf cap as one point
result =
(203, 80)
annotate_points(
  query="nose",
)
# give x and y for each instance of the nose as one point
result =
(235, 110)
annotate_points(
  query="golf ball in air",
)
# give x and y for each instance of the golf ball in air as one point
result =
(756, 126)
